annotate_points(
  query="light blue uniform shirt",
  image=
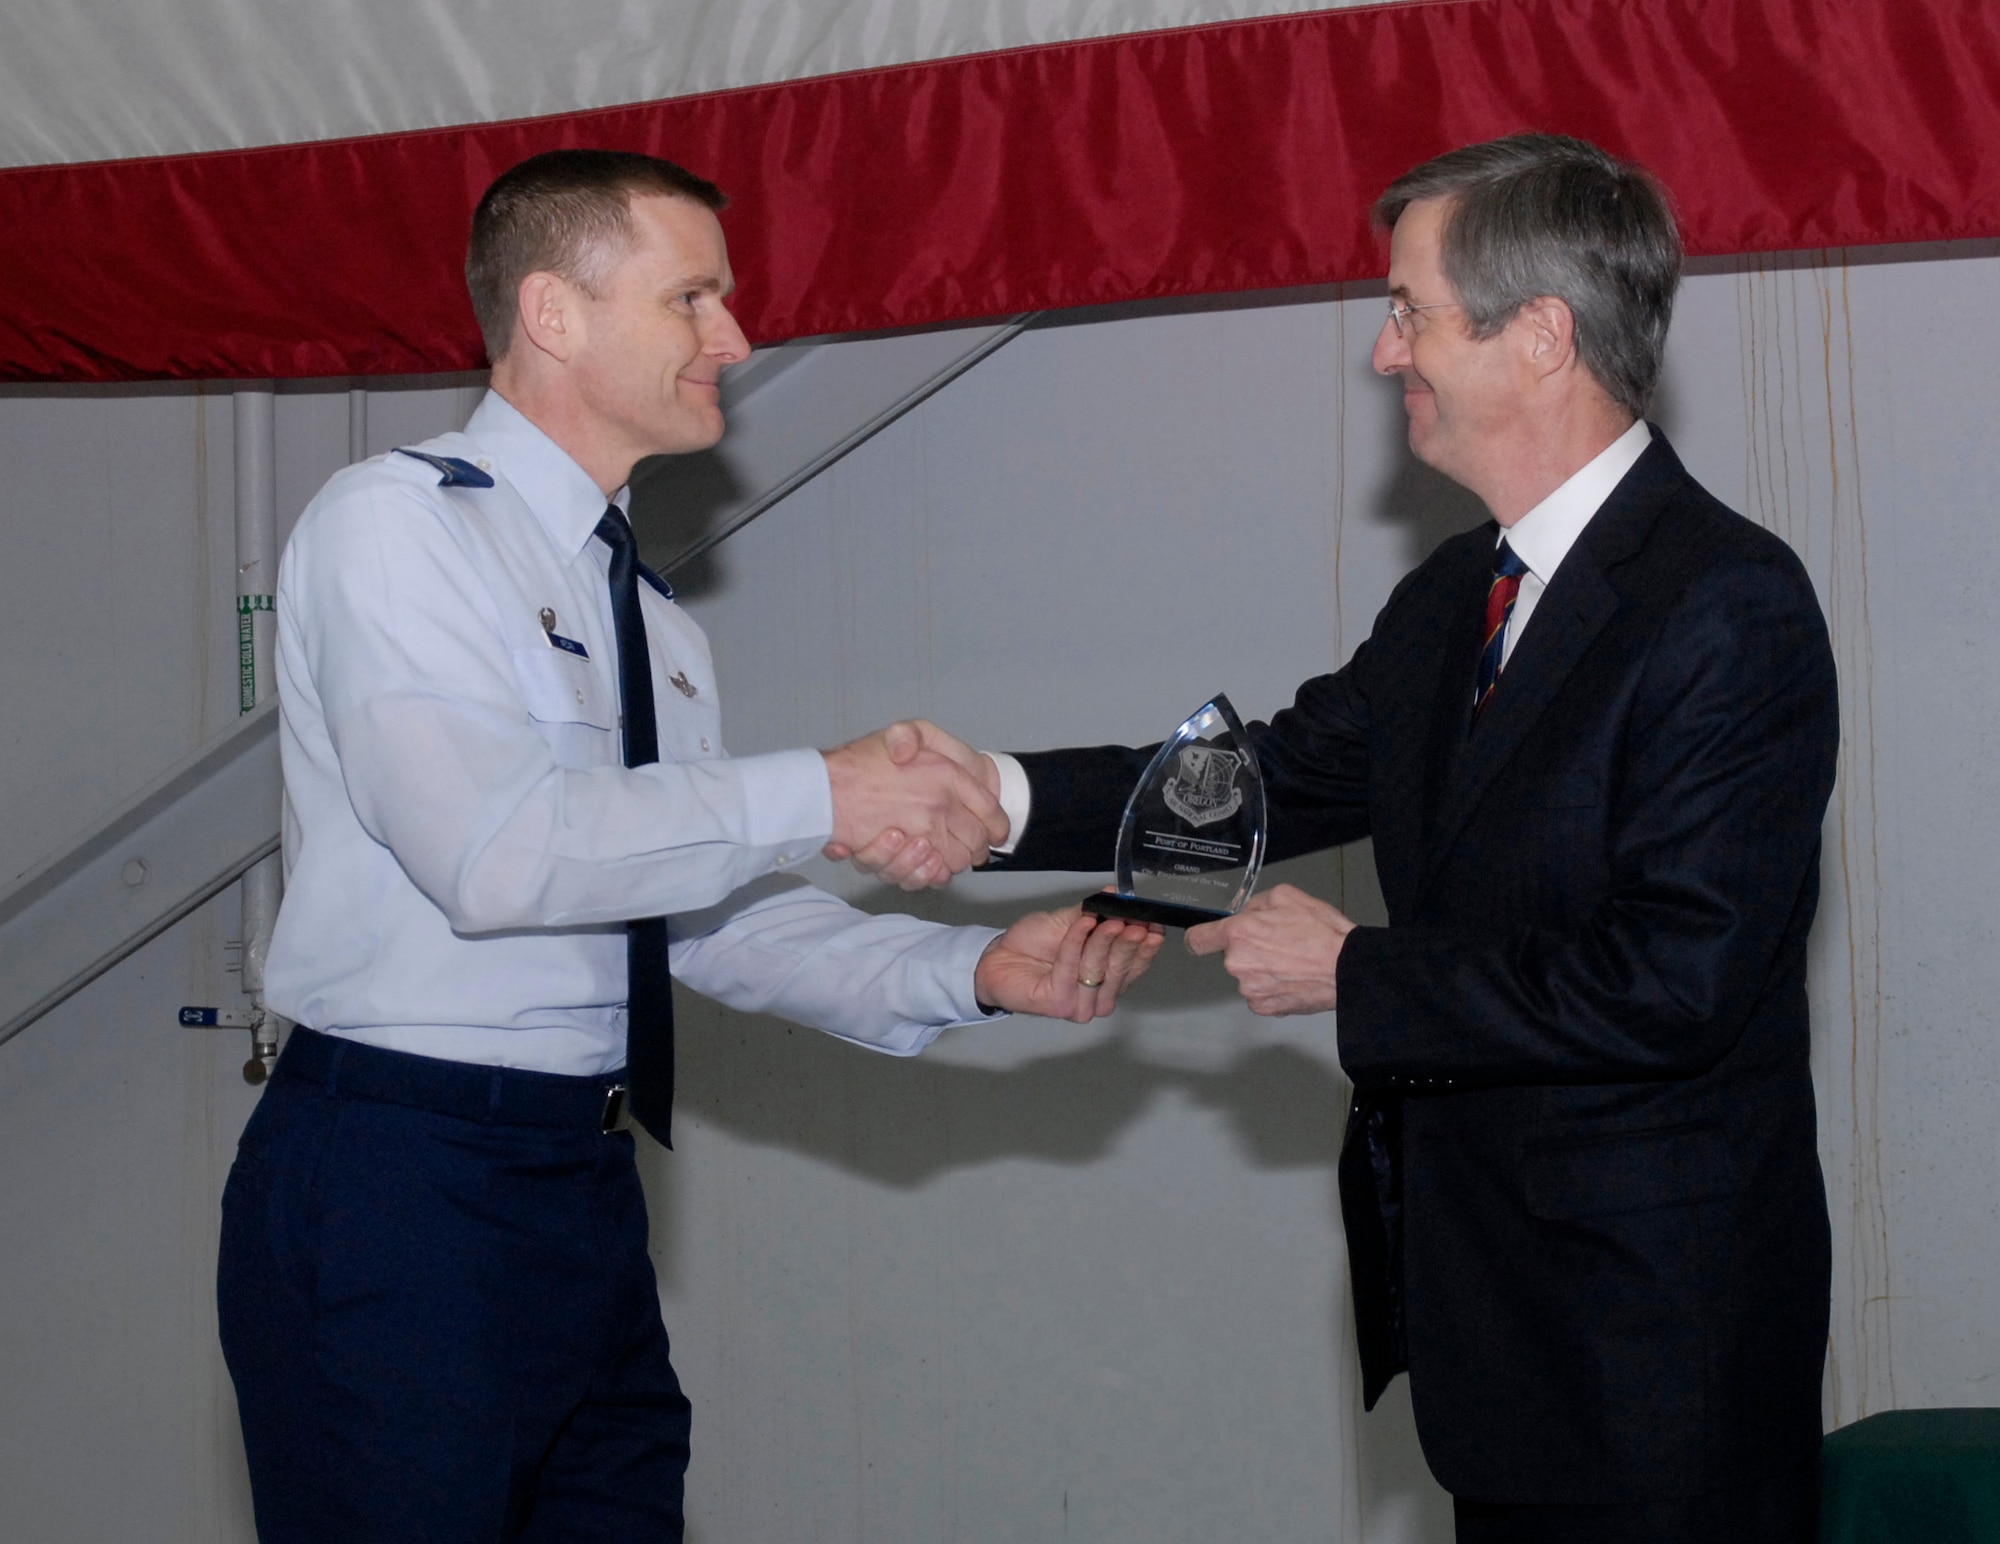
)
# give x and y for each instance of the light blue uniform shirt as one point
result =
(462, 840)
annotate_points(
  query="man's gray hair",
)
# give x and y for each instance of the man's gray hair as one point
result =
(1543, 214)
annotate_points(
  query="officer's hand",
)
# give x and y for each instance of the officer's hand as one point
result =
(1065, 964)
(1283, 948)
(890, 781)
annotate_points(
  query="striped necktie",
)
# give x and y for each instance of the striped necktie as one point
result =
(649, 991)
(1500, 597)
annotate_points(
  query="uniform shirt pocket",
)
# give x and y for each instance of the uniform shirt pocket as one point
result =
(689, 730)
(1629, 1172)
(559, 688)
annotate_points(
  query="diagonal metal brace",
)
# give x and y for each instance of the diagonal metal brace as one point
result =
(158, 857)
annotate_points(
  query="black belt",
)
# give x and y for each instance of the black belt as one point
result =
(496, 1096)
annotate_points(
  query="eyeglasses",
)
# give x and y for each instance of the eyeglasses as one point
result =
(1399, 313)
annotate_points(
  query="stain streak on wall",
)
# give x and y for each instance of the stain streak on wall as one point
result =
(1801, 401)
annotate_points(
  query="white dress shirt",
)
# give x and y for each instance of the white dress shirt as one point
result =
(1543, 536)
(462, 840)
(1541, 539)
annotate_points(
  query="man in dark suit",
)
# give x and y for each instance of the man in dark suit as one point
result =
(1593, 742)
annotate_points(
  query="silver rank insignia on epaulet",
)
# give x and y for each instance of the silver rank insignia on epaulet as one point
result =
(456, 473)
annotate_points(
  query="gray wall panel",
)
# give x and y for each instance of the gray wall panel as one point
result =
(1041, 1277)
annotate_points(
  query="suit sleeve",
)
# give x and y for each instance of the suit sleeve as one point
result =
(1714, 827)
(1076, 799)
(1313, 757)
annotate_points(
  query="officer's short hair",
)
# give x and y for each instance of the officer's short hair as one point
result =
(566, 212)
(1543, 214)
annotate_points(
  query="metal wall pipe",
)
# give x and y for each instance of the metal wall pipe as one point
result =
(256, 648)
(357, 424)
(256, 541)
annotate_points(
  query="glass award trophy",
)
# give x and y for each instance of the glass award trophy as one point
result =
(1193, 835)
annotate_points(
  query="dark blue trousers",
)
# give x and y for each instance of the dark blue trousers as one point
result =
(438, 1309)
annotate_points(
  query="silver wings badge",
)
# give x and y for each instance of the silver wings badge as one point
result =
(1203, 788)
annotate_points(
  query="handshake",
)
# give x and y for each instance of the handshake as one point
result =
(916, 806)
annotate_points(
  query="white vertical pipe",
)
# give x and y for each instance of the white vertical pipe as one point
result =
(256, 541)
(357, 424)
(256, 632)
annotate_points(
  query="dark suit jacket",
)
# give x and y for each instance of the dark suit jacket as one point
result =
(1580, 1181)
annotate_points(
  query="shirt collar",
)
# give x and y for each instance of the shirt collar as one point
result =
(1543, 536)
(558, 492)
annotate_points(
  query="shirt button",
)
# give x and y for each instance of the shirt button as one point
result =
(579, 697)
(704, 742)
(484, 466)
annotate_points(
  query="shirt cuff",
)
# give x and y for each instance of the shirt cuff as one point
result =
(1015, 798)
(963, 948)
(787, 802)
(974, 941)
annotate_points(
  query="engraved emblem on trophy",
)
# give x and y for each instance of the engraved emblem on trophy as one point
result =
(1192, 839)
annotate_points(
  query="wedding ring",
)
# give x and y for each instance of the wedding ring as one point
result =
(1086, 981)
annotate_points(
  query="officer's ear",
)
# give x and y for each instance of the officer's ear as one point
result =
(546, 316)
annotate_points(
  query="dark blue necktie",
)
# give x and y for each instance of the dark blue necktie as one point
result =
(649, 993)
(1500, 597)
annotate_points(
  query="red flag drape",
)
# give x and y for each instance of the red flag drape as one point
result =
(1236, 156)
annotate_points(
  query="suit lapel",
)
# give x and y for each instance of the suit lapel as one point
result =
(1571, 613)
(1455, 673)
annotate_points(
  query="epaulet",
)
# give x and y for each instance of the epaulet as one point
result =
(456, 473)
(656, 581)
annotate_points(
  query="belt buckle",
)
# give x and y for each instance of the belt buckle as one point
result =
(617, 1110)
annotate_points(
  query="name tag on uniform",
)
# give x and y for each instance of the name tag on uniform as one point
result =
(556, 640)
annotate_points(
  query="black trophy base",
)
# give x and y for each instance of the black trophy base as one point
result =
(1136, 908)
